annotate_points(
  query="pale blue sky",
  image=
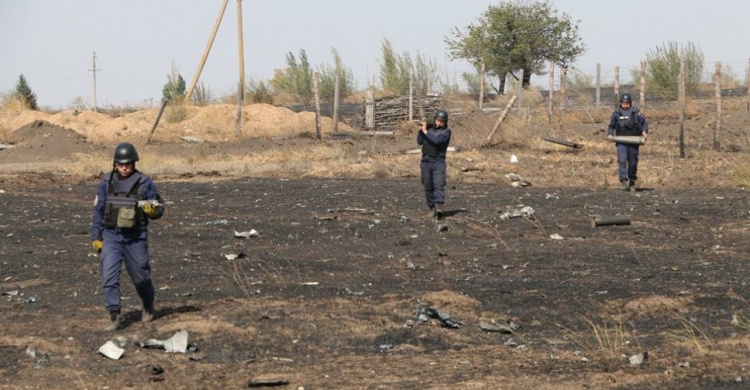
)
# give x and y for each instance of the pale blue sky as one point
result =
(136, 41)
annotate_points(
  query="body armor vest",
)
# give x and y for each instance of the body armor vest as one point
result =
(433, 151)
(627, 123)
(121, 206)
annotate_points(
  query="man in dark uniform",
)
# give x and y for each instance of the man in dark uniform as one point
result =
(126, 200)
(434, 141)
(627, 120)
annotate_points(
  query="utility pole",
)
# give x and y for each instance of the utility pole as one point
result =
(206, 51)
(94, 70)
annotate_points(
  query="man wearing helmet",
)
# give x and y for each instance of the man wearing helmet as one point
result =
(434, 141)
(627, 120)
(126, 200)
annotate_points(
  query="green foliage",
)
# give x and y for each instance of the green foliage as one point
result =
(258, 91)
(395, 70)
(663, 68)
(518, 35)
(328, 75)
(174, 89)
(296, 78)
(24, 94)
(202, 95)
(472, 83)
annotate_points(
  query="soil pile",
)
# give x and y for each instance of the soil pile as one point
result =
(41, 141)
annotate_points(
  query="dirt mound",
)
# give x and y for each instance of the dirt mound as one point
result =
(41, 141)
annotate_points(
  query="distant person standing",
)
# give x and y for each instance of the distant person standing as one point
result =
(126, 200)
(627, 120)
(434, 141)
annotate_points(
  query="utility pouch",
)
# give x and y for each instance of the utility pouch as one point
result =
(126, 218)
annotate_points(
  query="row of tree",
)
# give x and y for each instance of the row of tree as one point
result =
(507, 40)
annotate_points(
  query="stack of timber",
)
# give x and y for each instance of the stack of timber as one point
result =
(390, 112)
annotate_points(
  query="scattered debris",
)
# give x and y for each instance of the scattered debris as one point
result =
(517, 180)
(508, 327)
(267, 382)
(636, 360)
(514, 159)
(556, 237)
(559, 141)
(232, 256)
(178, 343)
(442, 227)
(610, 220)
(425, 312)
(192, 139)
(111, 350)
(523, 211)
(251, 233)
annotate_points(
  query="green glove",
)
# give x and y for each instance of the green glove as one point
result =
(150, 210)
(97, 245)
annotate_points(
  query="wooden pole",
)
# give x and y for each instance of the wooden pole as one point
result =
(747, 85)
(93, 71)
(550, 107)
(369, 109)
(481, 86)
(411, 93)
(241, 45)
(717, 95)
(598, 99)
(520, 89)
(316, 92)
(238, 119)
(500, 119)
(681, 99)
(563, 75)
(336, 94)
(617, 86)
(420, 103)
(156, 122)
(643, 86)
(206, 51)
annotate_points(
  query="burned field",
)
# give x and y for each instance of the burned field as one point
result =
(327, 295)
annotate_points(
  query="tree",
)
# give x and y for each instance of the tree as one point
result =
(395, 69)
(296, 78)
(516, 36)
(328, 75)
(24, 94)
(174, 89)
(663, 68)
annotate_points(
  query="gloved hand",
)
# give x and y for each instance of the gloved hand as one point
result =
(610, 137)
(150, 210)
(97, 245)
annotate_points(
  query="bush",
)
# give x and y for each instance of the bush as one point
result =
(663, 68)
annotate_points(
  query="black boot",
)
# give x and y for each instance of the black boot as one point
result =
(115, 319)
(147, 314)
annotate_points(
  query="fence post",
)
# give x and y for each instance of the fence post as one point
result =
(598, 85)
(617, 85)
(717, 94)
(551, 90)
(411, 93)
(681, 99)
(336, 97)
(369, 109)
(238, 119)
(643, 85)
(563, 75)
(520, 88)
(481, 86)
(316, 92)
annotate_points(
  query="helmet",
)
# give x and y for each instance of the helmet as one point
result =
(625, 97)
(442, 115)
(125, 153)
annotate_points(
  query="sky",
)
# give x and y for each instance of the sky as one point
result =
(138, 42)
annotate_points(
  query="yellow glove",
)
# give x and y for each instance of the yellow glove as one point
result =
(97, 245)
(150, 210)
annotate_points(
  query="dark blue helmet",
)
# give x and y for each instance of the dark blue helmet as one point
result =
(625, 97)
(125, 153)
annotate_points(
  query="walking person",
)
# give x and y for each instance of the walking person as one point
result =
(126, 200)
(627, 120)
(434, 141)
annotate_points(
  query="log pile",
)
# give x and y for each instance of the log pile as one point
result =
(391, 111)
